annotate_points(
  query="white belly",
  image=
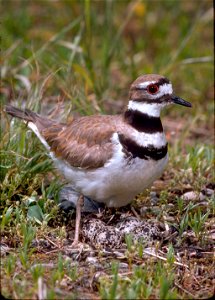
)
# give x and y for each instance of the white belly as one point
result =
(118, 182)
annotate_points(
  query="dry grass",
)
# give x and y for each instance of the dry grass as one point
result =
(65, 58)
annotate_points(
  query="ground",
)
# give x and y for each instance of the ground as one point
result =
(66, 58)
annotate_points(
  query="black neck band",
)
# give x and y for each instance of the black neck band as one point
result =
(143, 122)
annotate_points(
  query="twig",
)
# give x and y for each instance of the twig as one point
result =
(42, 290)
(184, 290)
(135, 213)
(163, 258)
(165, 223)
(51, 241)
(51, 265)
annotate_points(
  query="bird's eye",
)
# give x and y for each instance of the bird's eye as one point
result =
(152, 89)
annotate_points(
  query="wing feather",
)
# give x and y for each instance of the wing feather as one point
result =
(85, 142)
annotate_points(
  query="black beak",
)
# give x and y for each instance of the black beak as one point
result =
(180, 101)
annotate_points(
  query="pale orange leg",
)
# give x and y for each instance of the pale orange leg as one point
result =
(80, 203)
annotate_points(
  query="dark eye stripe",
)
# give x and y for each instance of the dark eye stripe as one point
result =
(164, 98)
(158, 83)
(138, 88)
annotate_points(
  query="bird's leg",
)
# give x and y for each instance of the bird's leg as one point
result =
(80, 203)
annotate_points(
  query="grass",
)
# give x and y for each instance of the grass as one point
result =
(79, 57)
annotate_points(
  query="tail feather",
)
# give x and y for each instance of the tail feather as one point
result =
(34, 121)
(26, 114)
(29, 117)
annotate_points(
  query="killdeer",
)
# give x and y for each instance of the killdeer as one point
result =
(110, 159)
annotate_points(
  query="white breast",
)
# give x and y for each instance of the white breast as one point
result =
(119, 181)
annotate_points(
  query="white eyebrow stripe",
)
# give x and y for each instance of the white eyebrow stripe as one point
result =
(143, 85)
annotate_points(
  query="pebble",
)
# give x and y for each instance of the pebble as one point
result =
(192, 196)
(209, 192)
(123, 265)
(91, 260)
(154, 198)
(96, 280)
(4, 249)
(149, 210)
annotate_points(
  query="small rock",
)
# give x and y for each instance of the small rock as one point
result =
(209, 192)
(123, 265)
(170, 219)
(96, 280)
(149, 210)
(192, 196)
(203, 204)
(4, 249)
(201, 196)
(144, 211)
(36, 243)
(91, 260)
(211, 235)
(153, 197)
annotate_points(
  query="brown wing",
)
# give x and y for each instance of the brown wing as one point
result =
(85, 143)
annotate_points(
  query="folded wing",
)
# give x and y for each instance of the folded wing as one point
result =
(84, 143)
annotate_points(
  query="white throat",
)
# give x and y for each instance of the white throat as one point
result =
(151, 109)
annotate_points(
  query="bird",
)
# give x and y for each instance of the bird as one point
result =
(110, 158)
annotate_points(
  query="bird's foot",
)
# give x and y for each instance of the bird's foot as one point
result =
(77, 245)
(68, 199)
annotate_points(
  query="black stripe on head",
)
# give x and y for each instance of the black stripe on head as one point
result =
(131, 148)
(143, 122)
(163, 99)
(160, 82)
